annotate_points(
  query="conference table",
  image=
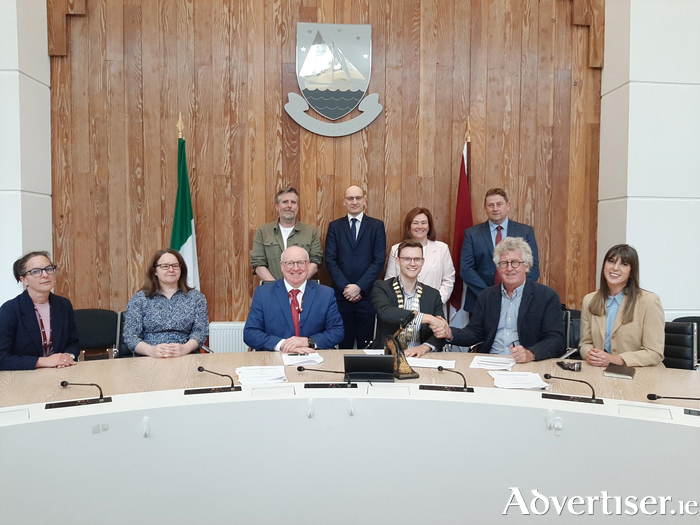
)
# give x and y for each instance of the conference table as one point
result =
(377, 453)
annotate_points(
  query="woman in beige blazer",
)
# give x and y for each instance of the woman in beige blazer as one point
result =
(621, 323)
(438, 271)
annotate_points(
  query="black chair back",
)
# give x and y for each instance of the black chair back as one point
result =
(122, 348)
(97, 328)
(681, 345)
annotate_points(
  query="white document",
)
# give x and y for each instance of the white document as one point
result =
(492, 362)
(522, 380)
(305, 359)
(379, 351)
(255, 375)
(419, 362)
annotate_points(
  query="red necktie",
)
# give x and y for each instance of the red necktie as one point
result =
(295, 311)
(499, 238)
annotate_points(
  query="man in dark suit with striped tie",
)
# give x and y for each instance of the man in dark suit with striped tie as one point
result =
(355, 255)
(477, 269)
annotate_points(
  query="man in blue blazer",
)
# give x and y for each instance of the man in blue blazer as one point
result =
(518, 317)
(477, 269)
(293, 314)
(355, 254)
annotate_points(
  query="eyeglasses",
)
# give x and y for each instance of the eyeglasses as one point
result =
(290, 264)
(36, 272)
(514, 264)
(353, 198)
(408, 260)
(166, 267)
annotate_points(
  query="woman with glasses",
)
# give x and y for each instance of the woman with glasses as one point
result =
(37, 328)
(438, 271)
(621, 323)
(166, 318)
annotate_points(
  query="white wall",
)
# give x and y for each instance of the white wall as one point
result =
(650, 144)
(25, 135)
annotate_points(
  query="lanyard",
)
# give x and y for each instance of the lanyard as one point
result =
(45, 340)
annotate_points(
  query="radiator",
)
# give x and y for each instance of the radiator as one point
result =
(227, 337)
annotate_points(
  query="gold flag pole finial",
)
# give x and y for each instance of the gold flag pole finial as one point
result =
(180, 127)
(469, 130)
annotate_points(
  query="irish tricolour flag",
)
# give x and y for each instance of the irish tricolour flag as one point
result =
(183, 238)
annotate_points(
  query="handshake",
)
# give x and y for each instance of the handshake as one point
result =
(440, 327)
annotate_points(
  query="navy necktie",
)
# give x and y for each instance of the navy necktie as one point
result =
(353, 228)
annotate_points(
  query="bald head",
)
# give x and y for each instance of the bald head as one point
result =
(295, 265)
(295, 253)
(354, 200)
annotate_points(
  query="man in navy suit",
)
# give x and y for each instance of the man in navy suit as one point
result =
(518, 317)
(477, 269)
(293, 314)
(355, 254)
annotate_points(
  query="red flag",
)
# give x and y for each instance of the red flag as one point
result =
(463, 220)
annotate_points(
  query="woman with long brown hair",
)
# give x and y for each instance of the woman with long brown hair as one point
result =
(438, 270)
(622, 323)
(166, 318)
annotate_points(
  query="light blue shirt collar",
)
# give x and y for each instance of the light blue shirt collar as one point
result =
(504, 225)
(617, 298)
(516, 293)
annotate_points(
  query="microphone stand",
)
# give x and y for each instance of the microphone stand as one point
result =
(562, 397)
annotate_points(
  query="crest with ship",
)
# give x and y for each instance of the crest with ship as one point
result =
(329, 81)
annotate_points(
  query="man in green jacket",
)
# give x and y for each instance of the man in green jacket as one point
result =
(273, 238)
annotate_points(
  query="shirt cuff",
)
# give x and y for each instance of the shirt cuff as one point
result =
(432, 348)
(278, 346)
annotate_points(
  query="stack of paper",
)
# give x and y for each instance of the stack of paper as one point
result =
(523, 380)
(255, 375)
(492, 362)
(419, 362)
(304, 359)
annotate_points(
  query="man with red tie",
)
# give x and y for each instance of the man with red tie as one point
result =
(477, 269)
(293, 315)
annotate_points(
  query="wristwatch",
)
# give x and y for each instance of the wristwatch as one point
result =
(312, 343)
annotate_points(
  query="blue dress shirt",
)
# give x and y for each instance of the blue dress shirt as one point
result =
(507, 331)
(612, 306)
(494, 231)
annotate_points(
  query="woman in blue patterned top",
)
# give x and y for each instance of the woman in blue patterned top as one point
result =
(166, 318)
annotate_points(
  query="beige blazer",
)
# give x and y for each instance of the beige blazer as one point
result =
(640, 343)
(438, 270)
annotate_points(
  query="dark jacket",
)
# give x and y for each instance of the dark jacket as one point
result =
(476, 266)
(358, 262)
(20, 334)
(540, 321)
(390, 316)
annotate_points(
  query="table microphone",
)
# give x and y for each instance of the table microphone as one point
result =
(202, 369)
(345, 375)
(64, 384)
(654, 397)
(550, 376)
(443, 369)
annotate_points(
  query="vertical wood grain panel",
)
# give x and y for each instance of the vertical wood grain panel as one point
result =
(97, 99)
(526, 73)
(133, 78)
(118, 205)
(115, 30)
(62, 175)
(526, 195)
(411, 100)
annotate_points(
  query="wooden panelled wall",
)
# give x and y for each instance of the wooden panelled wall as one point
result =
(526, 72)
